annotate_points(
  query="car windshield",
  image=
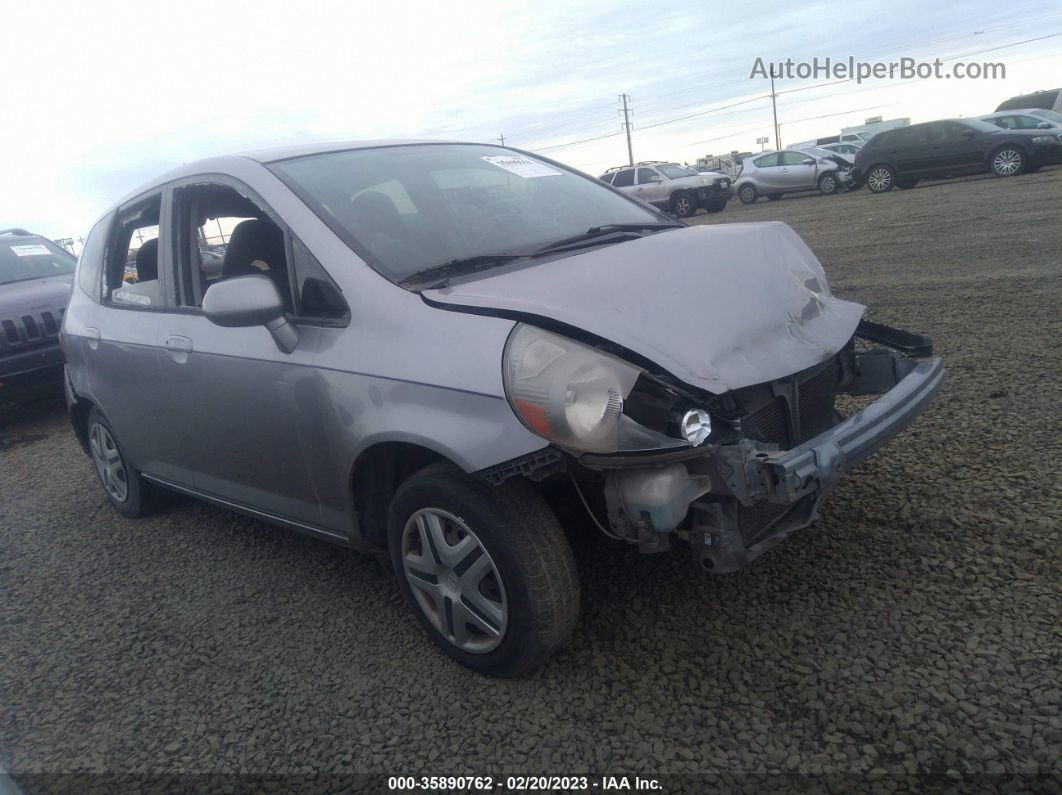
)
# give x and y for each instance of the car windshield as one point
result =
(672, 171)
(405, 209)
(32, 258)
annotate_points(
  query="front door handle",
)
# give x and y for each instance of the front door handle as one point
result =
(179, 347)
(92, 334)
(179, 344)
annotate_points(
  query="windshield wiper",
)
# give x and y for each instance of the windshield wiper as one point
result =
(438, 275)
(606, 229)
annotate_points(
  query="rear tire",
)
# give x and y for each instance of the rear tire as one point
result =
(126, 490)
(496, 584)
(880, 179)
(684, 204)
(1007, 161)
(748, 193)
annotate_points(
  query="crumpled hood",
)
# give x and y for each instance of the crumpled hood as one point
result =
(26, 297)
(719, 307)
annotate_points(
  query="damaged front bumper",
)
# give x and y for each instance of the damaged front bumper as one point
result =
(735, 500)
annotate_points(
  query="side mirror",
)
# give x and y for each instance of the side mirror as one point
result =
(252, 300)
(1044, 125)
(655, 178)
(808, 162)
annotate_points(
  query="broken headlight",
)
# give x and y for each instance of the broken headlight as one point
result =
(574, 395)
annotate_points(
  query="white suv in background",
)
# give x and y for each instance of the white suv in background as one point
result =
(669, 186)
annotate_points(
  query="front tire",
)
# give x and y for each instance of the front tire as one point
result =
(130, 495)
(486, 569)
(828, 184)
(748, 193)
(880, 179)
(684, 204)
(1008, 161)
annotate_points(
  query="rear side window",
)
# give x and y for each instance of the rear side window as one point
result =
(623, 179)
(607, 178)
(766, 161)
(91, 259)
(132, 269)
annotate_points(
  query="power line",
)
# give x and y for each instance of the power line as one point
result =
(573, 143)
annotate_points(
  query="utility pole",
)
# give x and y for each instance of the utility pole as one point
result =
(627, 126)
(774, 111)
(502, 139)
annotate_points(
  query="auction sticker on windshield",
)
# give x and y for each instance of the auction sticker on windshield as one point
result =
(523, 166)
(35, 250)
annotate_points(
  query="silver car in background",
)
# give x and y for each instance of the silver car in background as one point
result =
(773, 174)
(420, 349)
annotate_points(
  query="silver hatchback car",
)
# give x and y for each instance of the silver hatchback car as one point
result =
(773, 174)
(422, 349)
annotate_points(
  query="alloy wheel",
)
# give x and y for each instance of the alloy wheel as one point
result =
(682, 205)
(1007, 162)
(880, 179)
(747, 194)
(108, 462)
(454, 580)
(828, 185)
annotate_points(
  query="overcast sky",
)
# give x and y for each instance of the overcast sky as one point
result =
(100, 96)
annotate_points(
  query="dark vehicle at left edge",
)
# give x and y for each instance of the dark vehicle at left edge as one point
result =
(35, 280)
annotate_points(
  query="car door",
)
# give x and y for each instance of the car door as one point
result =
(624, 180)
(908, 149)
(960, 146)
(117, 344)
(795, 172)
(234, 394)
(649, 186)
(768, 175)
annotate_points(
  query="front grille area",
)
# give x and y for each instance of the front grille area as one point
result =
(812, 394)
(29, 330)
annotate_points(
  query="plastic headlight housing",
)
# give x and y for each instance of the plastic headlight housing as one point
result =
(573, 395)
(1043, 139)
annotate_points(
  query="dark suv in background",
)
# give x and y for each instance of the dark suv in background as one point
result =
(35, 279)
(949, 148)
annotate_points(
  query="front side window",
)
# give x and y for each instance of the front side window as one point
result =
(408, 208)
(647, 175)
(222, 233)
(23, 258)
(132, 268)
(795, 158)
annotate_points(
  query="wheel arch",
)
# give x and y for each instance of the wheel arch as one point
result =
(378, 471)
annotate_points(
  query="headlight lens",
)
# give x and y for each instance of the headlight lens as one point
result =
(573, 394)
(1043, 139)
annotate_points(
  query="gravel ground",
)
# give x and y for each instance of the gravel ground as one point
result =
(913, 632)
